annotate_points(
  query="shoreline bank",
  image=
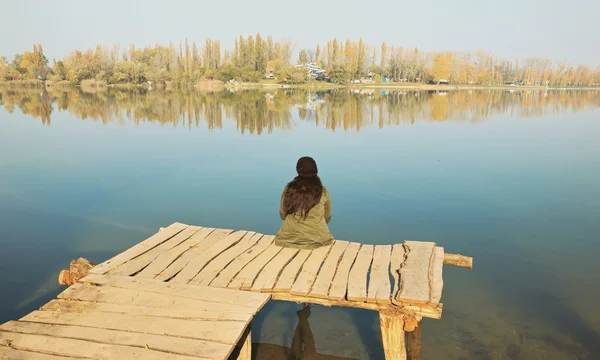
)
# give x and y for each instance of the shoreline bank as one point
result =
(214, 86)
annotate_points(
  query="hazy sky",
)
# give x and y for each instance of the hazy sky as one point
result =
(557, 29)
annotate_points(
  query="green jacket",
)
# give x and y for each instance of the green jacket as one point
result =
(309, 233)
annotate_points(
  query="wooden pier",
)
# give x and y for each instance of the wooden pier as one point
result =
(189, 292)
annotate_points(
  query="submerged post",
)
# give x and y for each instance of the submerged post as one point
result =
(413, 343)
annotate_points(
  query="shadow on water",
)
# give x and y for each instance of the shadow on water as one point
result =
(304, 346)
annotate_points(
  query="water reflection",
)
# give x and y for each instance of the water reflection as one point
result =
(303, 344)
(260, 111)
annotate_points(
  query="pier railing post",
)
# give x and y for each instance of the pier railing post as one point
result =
(392, 335)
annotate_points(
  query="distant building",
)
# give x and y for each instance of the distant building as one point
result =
(313, 71)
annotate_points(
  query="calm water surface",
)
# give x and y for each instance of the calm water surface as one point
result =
(511, 178)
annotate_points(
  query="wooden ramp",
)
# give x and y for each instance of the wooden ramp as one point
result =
(404, 277)
(117, 317)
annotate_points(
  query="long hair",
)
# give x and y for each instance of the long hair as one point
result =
(302, 194)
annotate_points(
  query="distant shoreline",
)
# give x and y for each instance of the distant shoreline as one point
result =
(403, 86)
(217, 86)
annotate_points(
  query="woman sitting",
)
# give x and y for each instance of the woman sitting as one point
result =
(305, 209)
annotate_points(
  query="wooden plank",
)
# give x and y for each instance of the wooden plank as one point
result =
(199, 262)
(379, 282)
(227, 332)
(229, 273)
(414, 275)
(182, 346)
(181, 313)
(245, 278)
(202, 293)
(321, 287)
(396, 262)
(357, 281)
(175, 267)
(139, 248)
(436, 276)
(135, 265)
(310, 269)
(339, 286)
(168, 257)
(220, 262)
(119, 296)
(84, 349)
(7, 353)
(290, 272)
(269, 274)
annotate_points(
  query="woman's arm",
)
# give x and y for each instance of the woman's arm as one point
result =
(327, 206)
(282, 213)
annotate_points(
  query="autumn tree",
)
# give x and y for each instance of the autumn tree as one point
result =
(441, 67)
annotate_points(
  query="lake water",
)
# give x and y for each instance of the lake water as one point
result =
(510, 178)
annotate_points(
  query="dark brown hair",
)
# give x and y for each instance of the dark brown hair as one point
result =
(304, 192)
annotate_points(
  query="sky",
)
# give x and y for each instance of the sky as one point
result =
(556, 29)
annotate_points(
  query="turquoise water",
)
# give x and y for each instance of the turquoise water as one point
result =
(511, 179)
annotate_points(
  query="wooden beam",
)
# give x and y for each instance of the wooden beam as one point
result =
(458, 260)
(428, 312)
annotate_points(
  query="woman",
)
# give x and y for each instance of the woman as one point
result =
(305, 209)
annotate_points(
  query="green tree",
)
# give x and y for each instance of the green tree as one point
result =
(339, 74)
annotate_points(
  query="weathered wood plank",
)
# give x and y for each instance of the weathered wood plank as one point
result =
(379, 282)
(269, 274)
(310, 269)
(414, 274)
(201, 293)
(7, 353)
(436, 276)
(245, 278)
(84, 349)
(339, 285)
(227, 274)
(121, 296)
(290, 272)
(184, 258)
(175, 313)
(396, 262)
(166, 258)
(227, 332)
(199, 262)
(182, 346)
(140, 262)
(357, 282)
(321, 286)
(139, 248)
(207, 275)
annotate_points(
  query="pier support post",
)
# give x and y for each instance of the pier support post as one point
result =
(246, 345)
(392, 334)
(413, 344)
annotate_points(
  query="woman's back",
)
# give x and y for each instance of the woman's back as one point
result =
(305, 209)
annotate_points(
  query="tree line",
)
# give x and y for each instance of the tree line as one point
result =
(253, 56)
